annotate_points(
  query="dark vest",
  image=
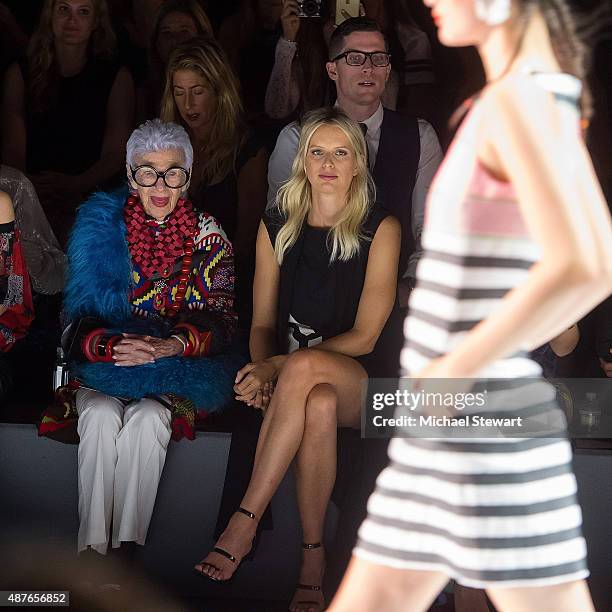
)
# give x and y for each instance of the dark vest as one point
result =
(395, 172)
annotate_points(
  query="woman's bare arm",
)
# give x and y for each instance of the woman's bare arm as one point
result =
(262, 341)
(566, 215)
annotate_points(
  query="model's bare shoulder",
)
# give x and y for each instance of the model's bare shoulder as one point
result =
(520, 100)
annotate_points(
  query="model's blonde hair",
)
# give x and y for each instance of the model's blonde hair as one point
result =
(204, 56)
(294, 198)
(42, 67)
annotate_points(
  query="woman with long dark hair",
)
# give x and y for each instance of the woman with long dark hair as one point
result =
(517, 248)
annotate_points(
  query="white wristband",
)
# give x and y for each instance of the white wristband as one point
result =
(181, 340)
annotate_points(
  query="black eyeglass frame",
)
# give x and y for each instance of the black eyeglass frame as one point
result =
(366, 54)
(160, 175)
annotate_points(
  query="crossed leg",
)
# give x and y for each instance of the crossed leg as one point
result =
(310, 384)
(315, 469)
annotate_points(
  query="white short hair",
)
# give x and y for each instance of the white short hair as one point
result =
(157, 135)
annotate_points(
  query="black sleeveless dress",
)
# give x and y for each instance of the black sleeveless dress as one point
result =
(319, 300)
(68, 135)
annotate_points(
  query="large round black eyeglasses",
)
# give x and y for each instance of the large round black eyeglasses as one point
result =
(147, 176)
(380, 59)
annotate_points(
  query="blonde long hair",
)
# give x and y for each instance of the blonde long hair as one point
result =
(42, 67)
(204, 56)
(294, 198)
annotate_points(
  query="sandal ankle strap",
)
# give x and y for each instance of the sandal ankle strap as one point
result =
(247, 513)
(311, 546)
(309, 587)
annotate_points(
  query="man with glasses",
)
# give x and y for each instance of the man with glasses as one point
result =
(403, 152)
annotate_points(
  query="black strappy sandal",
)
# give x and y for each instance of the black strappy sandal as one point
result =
(223, 553)
(310, 587)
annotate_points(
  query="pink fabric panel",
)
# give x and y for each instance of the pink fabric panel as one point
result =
(490, 206)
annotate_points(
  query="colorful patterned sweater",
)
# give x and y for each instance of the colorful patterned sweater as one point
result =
(209, 297)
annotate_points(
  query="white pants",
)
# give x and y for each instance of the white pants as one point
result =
(121, 457)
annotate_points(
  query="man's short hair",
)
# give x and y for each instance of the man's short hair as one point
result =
(348, 26)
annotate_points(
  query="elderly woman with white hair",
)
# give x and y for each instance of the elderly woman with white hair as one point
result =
(150, 296)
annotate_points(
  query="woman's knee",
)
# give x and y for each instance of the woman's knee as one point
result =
(321, 410)
(146, 415)
(302, 366)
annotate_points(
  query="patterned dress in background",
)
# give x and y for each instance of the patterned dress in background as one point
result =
(16, 307)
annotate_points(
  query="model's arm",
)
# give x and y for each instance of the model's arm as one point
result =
(566, 215)
(13, 119)
(252, 186)
(377, 296)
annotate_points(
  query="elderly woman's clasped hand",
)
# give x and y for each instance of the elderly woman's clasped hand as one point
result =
(134, 349)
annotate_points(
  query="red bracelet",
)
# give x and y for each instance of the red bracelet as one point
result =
(193, 338)
(98, 347)
(88, 341)
(198, 343)
(107, 345)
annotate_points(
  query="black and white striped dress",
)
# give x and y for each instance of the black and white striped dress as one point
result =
(485, 512)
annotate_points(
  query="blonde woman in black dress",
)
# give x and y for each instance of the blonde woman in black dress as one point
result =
(325, 286)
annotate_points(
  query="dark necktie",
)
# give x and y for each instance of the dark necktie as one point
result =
(364, 130)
